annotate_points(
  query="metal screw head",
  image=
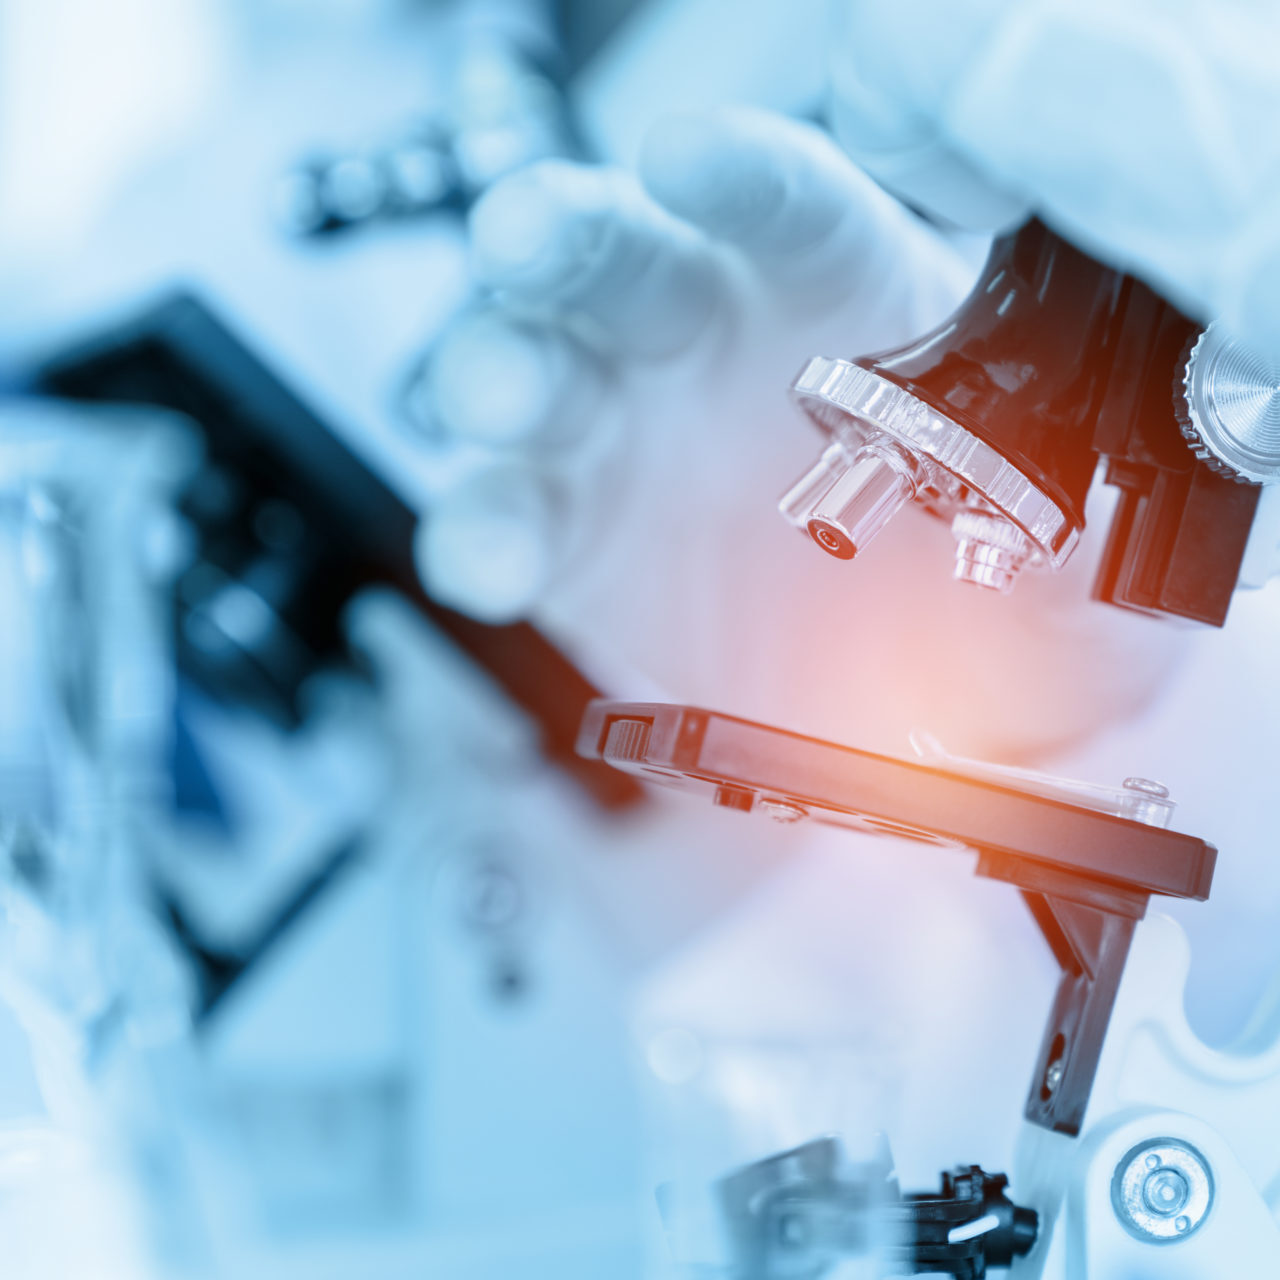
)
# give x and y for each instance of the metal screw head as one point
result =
(1165, 1191)
(1147, 801)
(1147, 787)
(1162, 1191)
(781, 810)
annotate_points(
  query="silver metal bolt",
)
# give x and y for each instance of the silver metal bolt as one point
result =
(1149, 802)
(1053, 1075)
(1165, 1191)
(1162, 1191)
(782, 810)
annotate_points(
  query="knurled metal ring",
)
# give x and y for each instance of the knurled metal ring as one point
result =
(850, 402)
(1228, 408)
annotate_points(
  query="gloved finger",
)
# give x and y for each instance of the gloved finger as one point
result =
(892, 65)
(489, 546)
(587, 244)
(496, 380)
(782, 193)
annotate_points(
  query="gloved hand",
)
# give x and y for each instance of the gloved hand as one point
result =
(607, 295)
(1143, 131)
(625, 392)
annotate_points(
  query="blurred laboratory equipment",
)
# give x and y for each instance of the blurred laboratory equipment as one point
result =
(90, 549)
(355, 1030)
(289, 525)
(155, 885)
(507, 108)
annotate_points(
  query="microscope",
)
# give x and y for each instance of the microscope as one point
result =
(1087, 860)
(997, 421)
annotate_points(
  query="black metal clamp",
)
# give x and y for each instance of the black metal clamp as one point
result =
(798, 1213)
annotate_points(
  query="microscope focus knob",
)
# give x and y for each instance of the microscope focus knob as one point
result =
(1229, 408)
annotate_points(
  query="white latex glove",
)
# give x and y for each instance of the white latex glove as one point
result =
(1144, 131)
(627, 389)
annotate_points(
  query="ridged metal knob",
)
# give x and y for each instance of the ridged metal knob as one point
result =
(1230, 413)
